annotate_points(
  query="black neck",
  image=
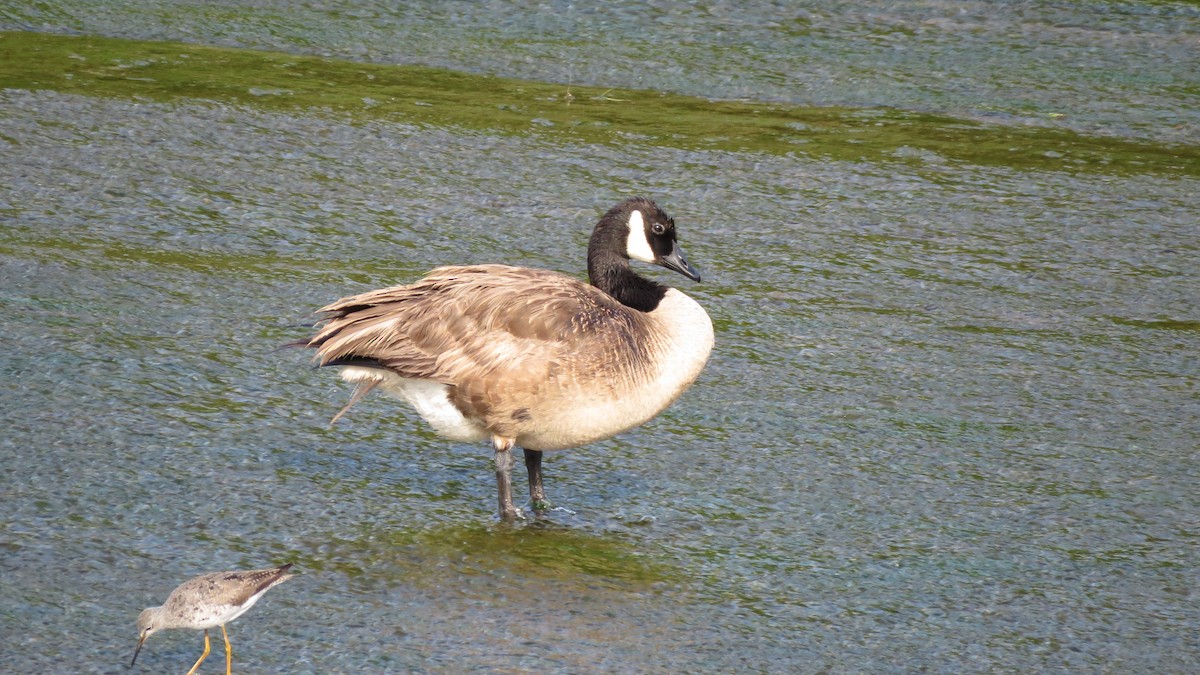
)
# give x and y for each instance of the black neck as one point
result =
(612, 274)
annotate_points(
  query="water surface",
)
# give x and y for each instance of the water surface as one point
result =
(949, 424)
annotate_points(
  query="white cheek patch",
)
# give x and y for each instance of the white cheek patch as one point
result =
(637, 246)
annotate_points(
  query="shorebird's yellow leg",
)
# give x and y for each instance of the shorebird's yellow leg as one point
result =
(207, 649)
(228, 652)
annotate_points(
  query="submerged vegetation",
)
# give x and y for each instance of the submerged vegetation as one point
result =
(168, 71)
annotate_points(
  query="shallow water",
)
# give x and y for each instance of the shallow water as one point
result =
(949, 424)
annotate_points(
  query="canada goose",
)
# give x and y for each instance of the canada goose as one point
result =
(530, 357)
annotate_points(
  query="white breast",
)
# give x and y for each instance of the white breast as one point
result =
(680, 340)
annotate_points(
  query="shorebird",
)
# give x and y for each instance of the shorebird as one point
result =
(208, 601)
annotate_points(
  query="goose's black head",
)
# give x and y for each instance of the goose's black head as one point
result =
(635, 229)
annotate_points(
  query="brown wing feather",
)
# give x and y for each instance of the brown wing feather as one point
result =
(460, 325)
(225, 588)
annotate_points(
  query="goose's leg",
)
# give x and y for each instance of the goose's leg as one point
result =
(504, 462)
(207, 649)
(537, 494)
(228, 652)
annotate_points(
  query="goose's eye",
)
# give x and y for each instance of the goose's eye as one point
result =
(658, 228)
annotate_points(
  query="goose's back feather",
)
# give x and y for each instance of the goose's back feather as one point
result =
(463, 323)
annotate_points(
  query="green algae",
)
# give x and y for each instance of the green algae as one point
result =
(534, 549)
(167, 71)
